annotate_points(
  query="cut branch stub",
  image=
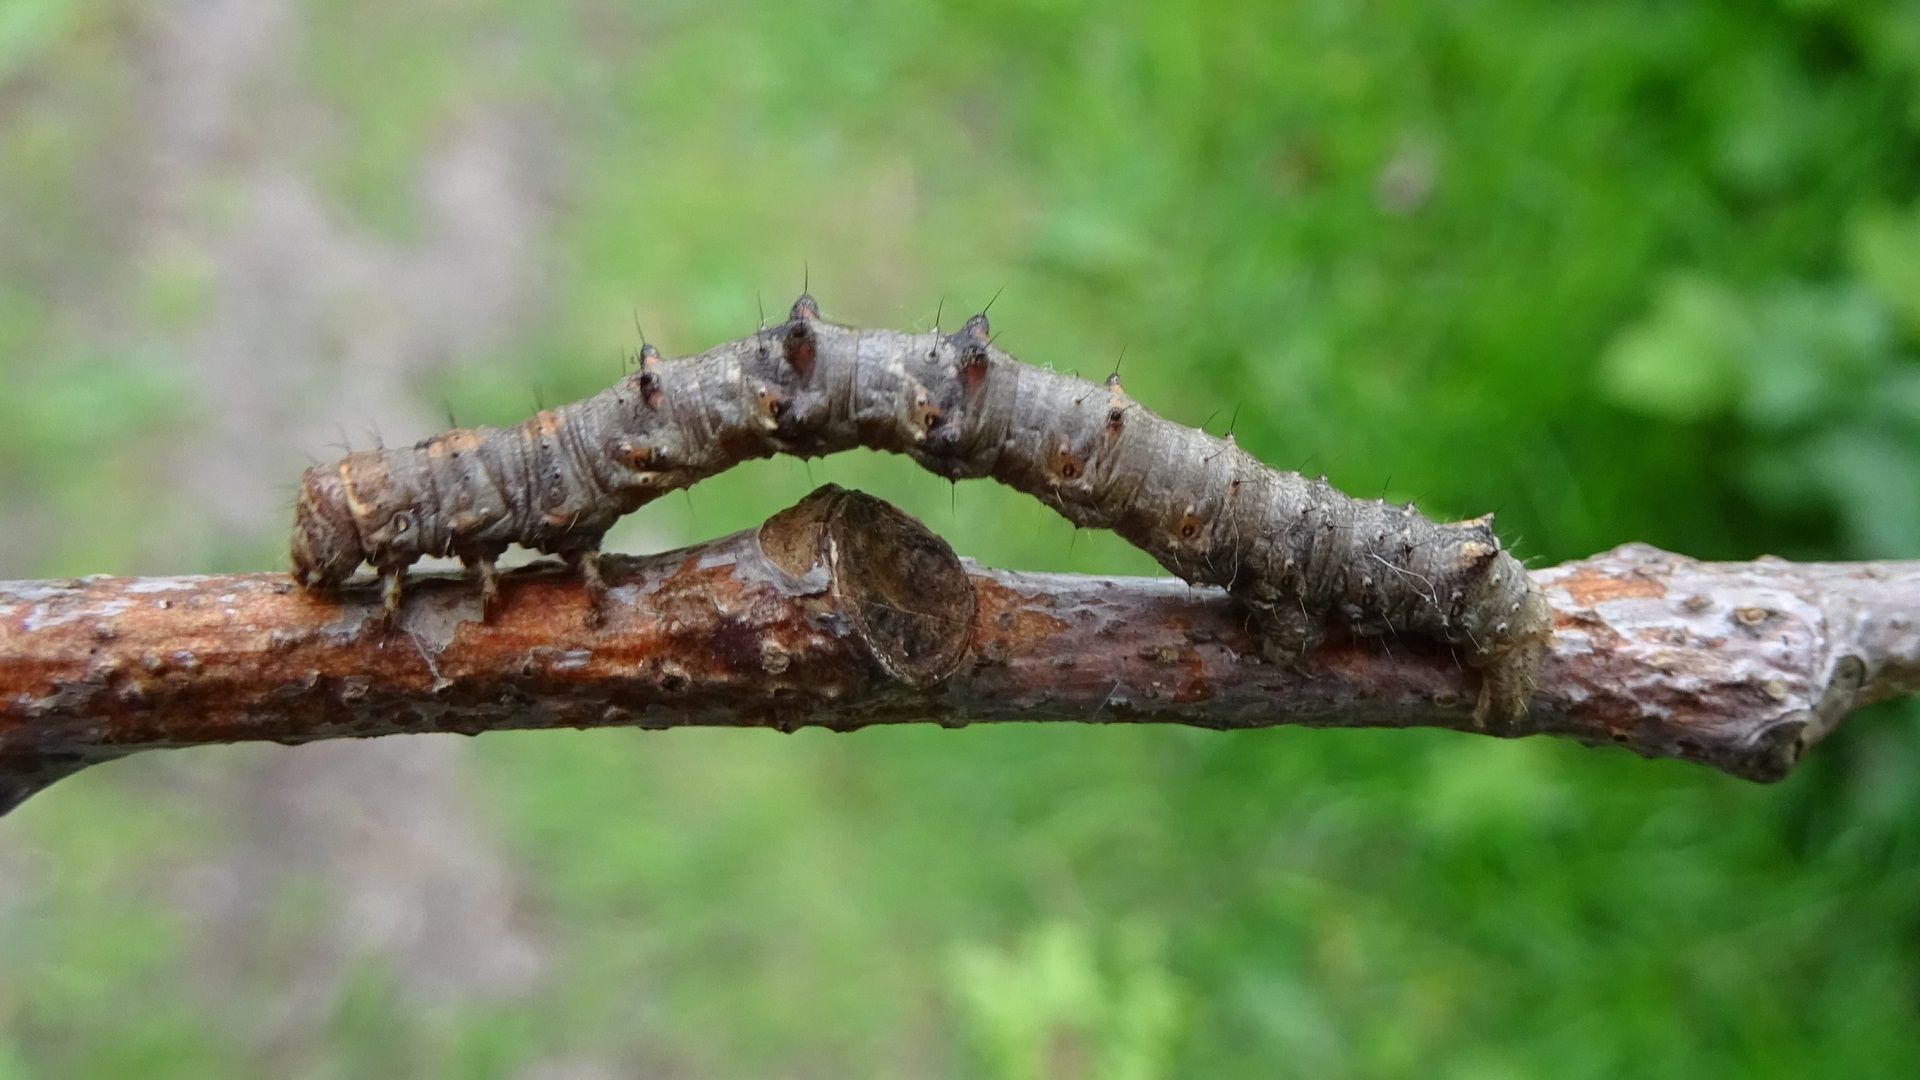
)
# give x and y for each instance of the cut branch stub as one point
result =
(901, 589)
(839, 611)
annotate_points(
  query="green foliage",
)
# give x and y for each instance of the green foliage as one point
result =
(1818, 383)
(1628, 270)
(26, 28)
(1051, 1008)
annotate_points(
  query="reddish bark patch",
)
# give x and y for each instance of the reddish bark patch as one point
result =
(1009, 617)
(1196, 687)
(1590, 585)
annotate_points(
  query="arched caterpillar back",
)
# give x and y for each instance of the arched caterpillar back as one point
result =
(1298, 553)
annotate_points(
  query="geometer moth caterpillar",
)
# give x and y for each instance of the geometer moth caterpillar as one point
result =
(1298, 554)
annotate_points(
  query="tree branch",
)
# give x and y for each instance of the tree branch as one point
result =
(842, 612)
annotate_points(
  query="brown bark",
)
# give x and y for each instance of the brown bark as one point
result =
(842, 612)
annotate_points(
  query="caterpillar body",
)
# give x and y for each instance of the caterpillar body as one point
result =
(1299, 554)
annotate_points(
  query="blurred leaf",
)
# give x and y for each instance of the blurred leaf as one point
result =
(12, 1065)
(1784, 482)
(1099, 248)
(1815, 352)
(1874, 477)
(1898, 396)
(30, 27)
(1883, 247)
(1052, 1009)
(51, 413)
(1682, 362)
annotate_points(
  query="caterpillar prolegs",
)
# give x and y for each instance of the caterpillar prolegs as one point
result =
(1297, 553)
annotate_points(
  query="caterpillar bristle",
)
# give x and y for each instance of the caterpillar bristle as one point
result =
(797, 343)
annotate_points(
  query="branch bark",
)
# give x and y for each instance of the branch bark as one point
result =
(842, 612)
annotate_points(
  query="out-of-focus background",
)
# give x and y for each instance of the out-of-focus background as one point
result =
(1621, 271)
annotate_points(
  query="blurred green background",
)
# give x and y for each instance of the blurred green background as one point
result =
(1621, 271)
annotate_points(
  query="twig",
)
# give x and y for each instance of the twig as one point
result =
(843, 612)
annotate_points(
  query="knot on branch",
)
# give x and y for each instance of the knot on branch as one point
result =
(901, 588)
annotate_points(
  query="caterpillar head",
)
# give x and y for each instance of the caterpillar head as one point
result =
(326, 545)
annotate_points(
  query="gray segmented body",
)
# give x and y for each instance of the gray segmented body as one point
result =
(1297, 552)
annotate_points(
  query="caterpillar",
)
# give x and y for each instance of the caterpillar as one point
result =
(1297, 553)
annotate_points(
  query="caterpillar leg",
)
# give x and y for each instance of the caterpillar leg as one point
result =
(586, 560)
(1287, 635)
(1507, 682)
(390, 589)
(483, 568)
(1483, 706)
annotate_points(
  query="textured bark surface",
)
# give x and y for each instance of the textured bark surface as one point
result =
(842, 612)
(1297, 552)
